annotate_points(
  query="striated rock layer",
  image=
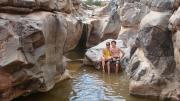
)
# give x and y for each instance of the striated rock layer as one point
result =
(35, 34)
(150, 29)
(153, 67)
(32, 44)
(32, 5)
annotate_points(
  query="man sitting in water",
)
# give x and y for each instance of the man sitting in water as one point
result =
(116, 54)
(106, 57)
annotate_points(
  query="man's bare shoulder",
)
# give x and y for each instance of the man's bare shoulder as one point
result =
(118, 49)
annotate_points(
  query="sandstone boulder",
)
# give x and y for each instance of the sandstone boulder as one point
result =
(175, 20)
(32, 50)
(93, 55)
(103, 24)
(128, 36)
(102, 28)
(153, 62)
(145, 79)
(5, 85)
(122, 2)
(161, 5)
(94, 28)
(26, 6)
(74, 31)
(132, 13)
(174, 25)
(101, 11)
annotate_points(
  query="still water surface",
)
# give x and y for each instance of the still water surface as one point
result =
(87, 84)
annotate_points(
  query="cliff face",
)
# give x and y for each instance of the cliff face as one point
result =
(32, 5)
(34, 35)
(153, 67)
(150, 29)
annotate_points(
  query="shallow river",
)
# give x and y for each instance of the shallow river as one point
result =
(87, 84)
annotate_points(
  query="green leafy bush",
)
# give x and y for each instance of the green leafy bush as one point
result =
(93, 2)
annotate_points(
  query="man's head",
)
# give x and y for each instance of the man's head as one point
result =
(108, 44)
(113, 43)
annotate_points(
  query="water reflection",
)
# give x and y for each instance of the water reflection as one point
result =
(92, 86)
(88, 84)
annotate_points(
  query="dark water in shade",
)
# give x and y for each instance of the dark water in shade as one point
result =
(88, 84)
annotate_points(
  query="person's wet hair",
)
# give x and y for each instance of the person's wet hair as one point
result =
(113, 42)
(107, 43)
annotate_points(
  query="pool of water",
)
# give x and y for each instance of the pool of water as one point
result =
(87, 84)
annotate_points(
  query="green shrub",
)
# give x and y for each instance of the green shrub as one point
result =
(97, 3)
(93, 2)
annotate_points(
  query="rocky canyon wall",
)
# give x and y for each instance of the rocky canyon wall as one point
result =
(153, 67)
(34, 35)
(150, 29)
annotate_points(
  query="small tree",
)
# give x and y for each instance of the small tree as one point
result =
(97, 3)
(89, 2)
(93, 2)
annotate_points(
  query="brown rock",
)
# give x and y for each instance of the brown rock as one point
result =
(153, 62)
(128, 35)
(74, 31)
(102, 28)
(161, 5)
(5, 81)
(26, 6)
(31, 51)
(131, 14)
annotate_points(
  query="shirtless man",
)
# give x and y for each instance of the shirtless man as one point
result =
(106, 57)
(117, 54)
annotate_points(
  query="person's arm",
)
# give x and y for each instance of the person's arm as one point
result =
(103, 52)
(122, 53)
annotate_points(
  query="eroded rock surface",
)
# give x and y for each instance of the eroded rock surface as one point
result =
(152, 68)
(35, 34)
(26, 6)
(174, 25)
(32, 44)
(30, 50)
(104, 24)
(94, 54)
(150, 30)
(102, 29)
